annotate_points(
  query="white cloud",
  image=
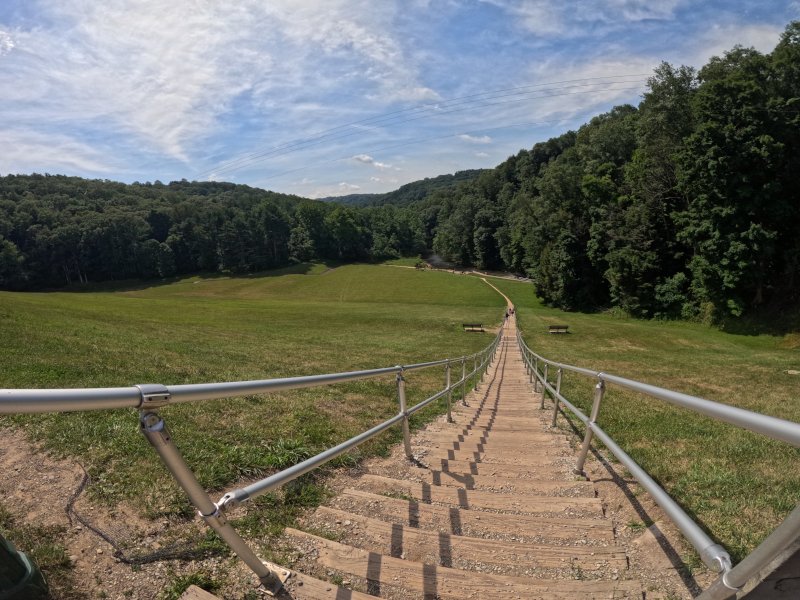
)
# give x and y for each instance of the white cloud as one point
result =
(595, 86)
(572, 18)
(6, 42)
(720, 38)
(167, 74)
(27, 151)
(481, 155)
(366, 159)
(482, 139)
(348, 187)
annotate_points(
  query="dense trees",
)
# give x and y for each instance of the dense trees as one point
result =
(57, 230)
(687, 204)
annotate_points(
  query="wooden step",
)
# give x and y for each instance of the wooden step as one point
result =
(544, 487)
(483, 500)
(499, 457)
(484, 426)
(496, 428)
(515, 440)
(300, 586)
(520, 451)
(475, 523)
(467, 467)
(462, 552)
(443, 582)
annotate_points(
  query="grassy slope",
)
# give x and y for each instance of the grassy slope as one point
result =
(310, 319)
(301, 321)
(739, 485)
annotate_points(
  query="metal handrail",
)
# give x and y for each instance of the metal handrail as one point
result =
(149, 398)
(87, 399)
(732, 578)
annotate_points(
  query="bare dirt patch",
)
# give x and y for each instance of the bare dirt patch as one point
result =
(37, 489)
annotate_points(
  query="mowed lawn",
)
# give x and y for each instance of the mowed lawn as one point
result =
(305, 320)
(737, 484)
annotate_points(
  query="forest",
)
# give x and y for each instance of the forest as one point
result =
(686, 206)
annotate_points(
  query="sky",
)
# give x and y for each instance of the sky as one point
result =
(330, 97)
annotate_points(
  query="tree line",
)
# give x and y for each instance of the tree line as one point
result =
(687, 205)
(57, 230)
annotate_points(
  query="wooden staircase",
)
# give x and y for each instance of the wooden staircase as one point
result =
(491, 510)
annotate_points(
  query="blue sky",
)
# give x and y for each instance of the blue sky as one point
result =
(328, 97)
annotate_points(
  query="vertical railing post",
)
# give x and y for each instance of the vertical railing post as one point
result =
(475, 371)
(534, 379)
(555, 400)
(526, 360)
(464, 381)
(544, 386)
(599, 391)
(449, 392)
(401, 398)
(155, 430)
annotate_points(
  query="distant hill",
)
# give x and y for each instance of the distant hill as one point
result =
(410, 192)
(356, 199)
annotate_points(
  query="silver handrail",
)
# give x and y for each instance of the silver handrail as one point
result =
(149, 398)
(732, 578)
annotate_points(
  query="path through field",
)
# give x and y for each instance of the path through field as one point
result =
(491, 509)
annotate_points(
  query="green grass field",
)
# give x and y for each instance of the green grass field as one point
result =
(304, 320)
(315, 319)
(737, 484)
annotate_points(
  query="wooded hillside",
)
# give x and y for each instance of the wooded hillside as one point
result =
(685, 206)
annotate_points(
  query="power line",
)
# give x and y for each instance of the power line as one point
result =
(428, 139)
(453, 107)
(235, 164)
(333, 136)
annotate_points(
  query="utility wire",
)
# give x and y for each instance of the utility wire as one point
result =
(436, 107)
(304, 144)
(415, 141)
(452, 108)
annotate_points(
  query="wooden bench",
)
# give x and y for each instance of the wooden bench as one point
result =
(472, 326)
(558, 328)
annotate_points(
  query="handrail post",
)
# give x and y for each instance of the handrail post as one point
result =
(475, 371)
(401, 397)
(155, 430)
(535, 380)
(449, 393)
(464, 381)
(544, 386)
(555, 400)
(599, 391)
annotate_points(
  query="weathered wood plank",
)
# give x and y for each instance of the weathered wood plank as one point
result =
(474, 523)
(443, 582)
(480, 500)
(452, 550)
